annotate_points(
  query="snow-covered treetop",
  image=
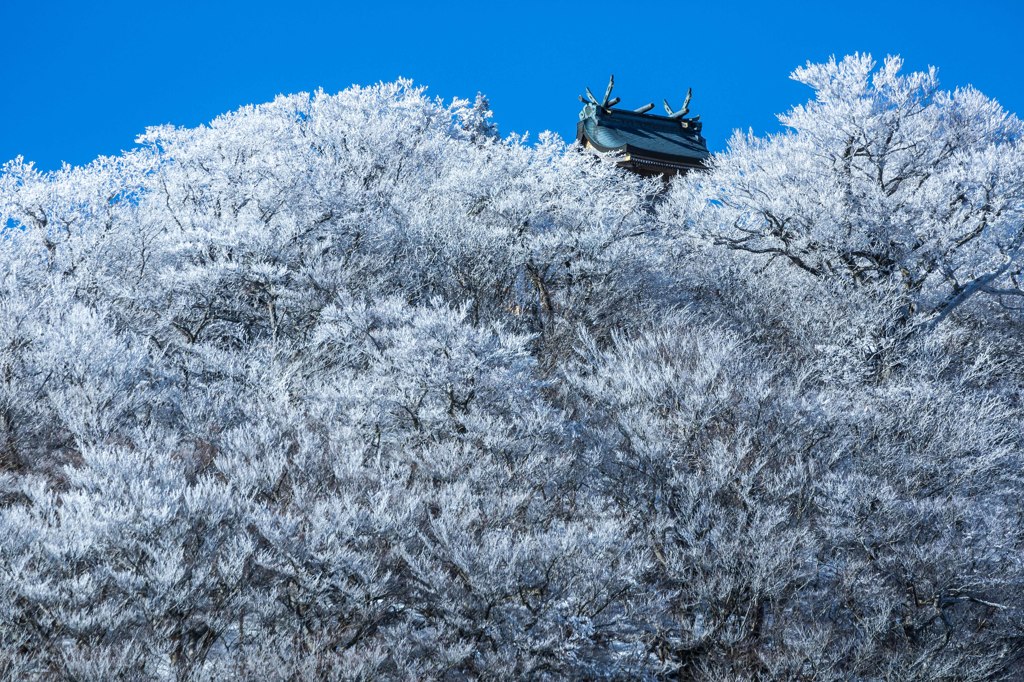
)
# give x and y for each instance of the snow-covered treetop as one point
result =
(346, 386)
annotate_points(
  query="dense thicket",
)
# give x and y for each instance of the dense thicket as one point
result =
(346, 386)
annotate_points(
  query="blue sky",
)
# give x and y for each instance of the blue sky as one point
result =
(83, 79)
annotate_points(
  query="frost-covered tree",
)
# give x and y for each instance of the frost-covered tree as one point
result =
(348, 386)
(881, 178)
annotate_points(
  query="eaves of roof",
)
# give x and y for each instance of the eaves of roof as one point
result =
(644, 135)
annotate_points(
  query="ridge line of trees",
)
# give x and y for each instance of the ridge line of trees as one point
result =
(349, 387)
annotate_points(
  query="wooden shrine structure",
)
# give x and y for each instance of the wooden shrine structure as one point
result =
(645, 143)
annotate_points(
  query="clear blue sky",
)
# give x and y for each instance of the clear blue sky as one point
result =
(83, 79)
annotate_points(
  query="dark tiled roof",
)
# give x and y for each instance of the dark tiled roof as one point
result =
(643, 135)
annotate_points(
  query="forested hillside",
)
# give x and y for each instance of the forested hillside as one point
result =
(350, 387)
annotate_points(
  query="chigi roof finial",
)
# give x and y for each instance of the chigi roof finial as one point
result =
(605, 103)
(685, 108)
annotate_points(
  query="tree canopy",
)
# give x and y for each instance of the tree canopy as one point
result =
(348, 386)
